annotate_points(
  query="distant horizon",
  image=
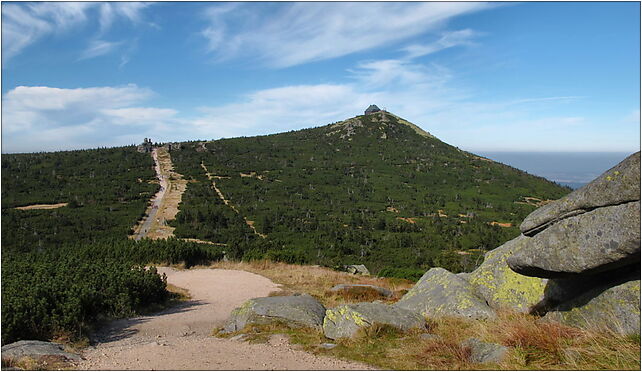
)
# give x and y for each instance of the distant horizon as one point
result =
(532, 76)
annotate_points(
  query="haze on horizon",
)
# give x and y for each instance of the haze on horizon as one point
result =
(486, 77)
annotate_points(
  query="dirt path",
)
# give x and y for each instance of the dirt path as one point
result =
(164, 206)
(227, 202)
(179, 338)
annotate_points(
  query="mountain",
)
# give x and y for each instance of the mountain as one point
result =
(374, 189)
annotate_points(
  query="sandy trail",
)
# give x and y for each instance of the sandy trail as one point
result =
(179, 338)
(164, 205)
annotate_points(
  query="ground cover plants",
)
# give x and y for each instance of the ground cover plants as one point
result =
(65, 269)
(371, 190)
(532, 344)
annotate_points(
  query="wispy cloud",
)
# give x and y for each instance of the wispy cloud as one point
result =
(447, 40)
(292, 34)
(25, 23)
(98, 48)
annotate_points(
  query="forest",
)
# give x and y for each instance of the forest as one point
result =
(65, 269)
(371, 190)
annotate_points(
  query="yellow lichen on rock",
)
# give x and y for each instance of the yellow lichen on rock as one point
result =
(501, 286)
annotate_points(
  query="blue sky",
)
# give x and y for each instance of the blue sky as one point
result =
(480, 76)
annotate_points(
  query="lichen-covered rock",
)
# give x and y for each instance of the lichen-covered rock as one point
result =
(357, 269)
(500, 286)
(562, 290)
(602, 239)
(298, 310)
(358, 287)
(618, 185)
(617, 308)
(484, 352)
(441, 293)
(346, 320)
(35, 350)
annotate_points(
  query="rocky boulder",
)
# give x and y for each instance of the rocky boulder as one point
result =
(618, 185)
(357, 269)
(297, 310)
(346, 320)
(500, 286)
(441, 293)
(36, 350)
(359, 288)
(616, 308)
(484, 352)
(603, 239)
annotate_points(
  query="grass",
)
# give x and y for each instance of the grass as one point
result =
(317, 281)
(532, 344)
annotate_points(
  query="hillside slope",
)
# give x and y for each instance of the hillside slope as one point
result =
(373, 189)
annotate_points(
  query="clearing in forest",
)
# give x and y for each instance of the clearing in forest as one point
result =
(42, 206)
(164, 206)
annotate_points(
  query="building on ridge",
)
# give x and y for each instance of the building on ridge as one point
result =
(372, 109)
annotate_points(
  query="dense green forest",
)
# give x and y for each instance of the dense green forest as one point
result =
(107, 191)
(373, 189)
(63, 269)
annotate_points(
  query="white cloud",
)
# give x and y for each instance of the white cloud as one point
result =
(99, 47)
(46, 118)
(25, 23)
(447, 40)
(297, 33)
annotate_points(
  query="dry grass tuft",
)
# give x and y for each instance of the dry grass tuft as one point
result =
(442, 354)
(532, 344)
(357, 294)
(314, 280)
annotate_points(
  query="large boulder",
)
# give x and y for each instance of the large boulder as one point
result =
(603, 239)
(616, 308)
(500, 286)
(35, 350)
(346, 320)
(618, 185)
(357, 289)
(441, 293)
(297, 310)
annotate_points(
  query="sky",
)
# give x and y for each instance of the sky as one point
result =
(543, 77)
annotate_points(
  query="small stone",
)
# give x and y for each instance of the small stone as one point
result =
(328, 346)
(429, 337)
(240, 337)
(484, 352)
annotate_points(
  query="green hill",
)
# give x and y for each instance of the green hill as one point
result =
(374, 189)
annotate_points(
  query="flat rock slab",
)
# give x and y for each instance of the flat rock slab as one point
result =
(616, 308)
(484, 352)
(298, 310)
(620, 184)
(346, 320)
(600, 240)
(360, 287)
(35, 350)
(500, 286)
(441, 293)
